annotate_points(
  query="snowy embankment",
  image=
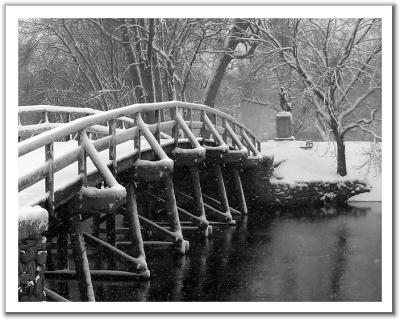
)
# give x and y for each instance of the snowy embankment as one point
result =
(318, 164)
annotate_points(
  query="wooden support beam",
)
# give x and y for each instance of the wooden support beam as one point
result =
(234, 137)
(82, 164)
(194, 172)
(137, 139)
(62, 249)
(218, 204)
(100, 165)
(189, 134)
(249, 143)
(110, 228)
(173, 111)
(81, 260)
(214, 212)
(203, 223)
(158, 121)
(124, 231)
(211, 223)
(50, 257)
(140, 264)
(96, 224)
(158, 243)
(49, 180)
(147, 243)
(214, 131)
(173, 216)
(239, 189)
(221, 190)
(180, 245)
(98, 275)
(132, 215)
(157, 227)
(171, 207)
(53, 296)
(112, 151)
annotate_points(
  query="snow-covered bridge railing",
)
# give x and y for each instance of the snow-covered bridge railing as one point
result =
(117, 149)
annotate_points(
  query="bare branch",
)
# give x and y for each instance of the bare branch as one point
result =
(266, 104)
(358, 123)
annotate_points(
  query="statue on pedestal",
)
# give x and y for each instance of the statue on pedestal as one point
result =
(284, 100)
(284, 126)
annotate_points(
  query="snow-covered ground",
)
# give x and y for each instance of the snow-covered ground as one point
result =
(319, 164)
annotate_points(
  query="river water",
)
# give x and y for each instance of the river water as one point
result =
(304, 255)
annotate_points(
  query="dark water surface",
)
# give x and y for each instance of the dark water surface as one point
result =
(311, 255)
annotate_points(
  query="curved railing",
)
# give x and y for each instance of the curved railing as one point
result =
(108, 129)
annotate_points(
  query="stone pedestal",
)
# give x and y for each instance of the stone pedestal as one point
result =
(32, 222)
(284, 129)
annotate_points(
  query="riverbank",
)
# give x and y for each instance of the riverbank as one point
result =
(298, 169)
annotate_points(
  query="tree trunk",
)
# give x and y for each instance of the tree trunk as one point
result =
(145, 64)
(223, 61)
(341, 156)
(133, 66)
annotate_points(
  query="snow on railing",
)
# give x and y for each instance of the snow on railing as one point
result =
(92, 120)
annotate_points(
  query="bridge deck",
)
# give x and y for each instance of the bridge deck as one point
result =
(36, 193)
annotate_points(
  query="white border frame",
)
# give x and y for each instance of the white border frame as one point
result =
(13, 13)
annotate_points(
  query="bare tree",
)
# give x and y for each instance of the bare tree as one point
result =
(237, 35)
(338, 62)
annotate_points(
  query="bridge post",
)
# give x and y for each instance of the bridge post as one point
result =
(194, 171)
(49, 180)
(133, 221)
(96, 224)
(110, 228)
(112, 155)
(62, 249)
(81, 261)
(181, 245)
(239, 189)
(222, 191)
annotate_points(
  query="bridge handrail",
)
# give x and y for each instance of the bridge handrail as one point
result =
(97, 117)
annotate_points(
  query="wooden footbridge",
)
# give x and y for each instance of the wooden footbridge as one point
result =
(111, 182)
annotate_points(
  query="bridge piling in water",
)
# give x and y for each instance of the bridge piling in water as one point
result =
(81, 260)
(134, 224)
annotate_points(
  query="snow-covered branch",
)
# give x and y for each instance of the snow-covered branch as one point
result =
(359, 123)
(266, 104)
(356, 104)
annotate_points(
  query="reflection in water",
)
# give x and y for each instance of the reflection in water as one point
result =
(307, 255)
(339, 262)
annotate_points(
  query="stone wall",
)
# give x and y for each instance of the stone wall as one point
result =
(260, 191)
(32, 223)
(314, 193)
